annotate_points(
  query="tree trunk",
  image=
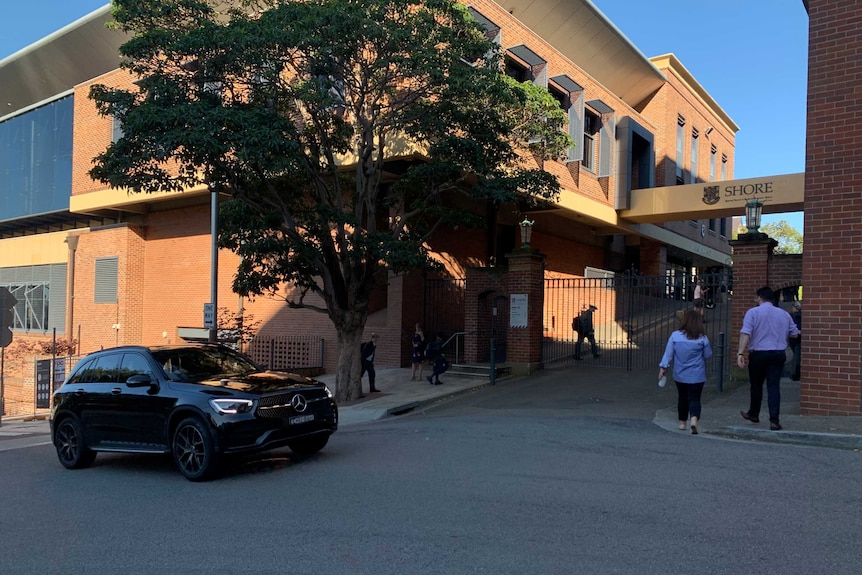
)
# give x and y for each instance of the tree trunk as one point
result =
(348, 385)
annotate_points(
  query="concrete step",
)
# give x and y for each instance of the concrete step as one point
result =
(479, 371)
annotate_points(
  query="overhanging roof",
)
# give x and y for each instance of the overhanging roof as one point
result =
(585, 36)
(86, 49)
(81, 51)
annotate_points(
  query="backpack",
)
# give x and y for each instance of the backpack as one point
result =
(576, 324)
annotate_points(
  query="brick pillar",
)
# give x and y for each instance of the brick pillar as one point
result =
(751, 255)
(832, 276)
(526, 278)
(483, 286)
(653, 258)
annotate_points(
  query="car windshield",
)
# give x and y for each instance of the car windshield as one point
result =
(195, 364)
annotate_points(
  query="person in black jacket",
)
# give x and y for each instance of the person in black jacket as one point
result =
(587, 331)
(440, 364)
(796, 342)
(367, 351)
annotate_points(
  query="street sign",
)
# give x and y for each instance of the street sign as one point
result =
(7, 302)
(209, 316)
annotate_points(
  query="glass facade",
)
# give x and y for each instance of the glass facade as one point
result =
(36, 161)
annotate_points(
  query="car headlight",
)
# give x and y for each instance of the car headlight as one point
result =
(232, 406)
(328, 393)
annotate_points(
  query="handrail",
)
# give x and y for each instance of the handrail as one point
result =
(457, 347)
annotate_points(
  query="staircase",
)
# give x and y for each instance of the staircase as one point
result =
(478, 371)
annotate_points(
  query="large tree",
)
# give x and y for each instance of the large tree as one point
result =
(344, 132)
(789, 238)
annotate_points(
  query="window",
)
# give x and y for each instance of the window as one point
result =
(40, 292)
(116, 129)
(31, 310)
(723, 167)
(570, 95)
(134, 364)
(517, 71)
(680, 148)
(590, 124)
(694, 136)
(105, 285)
(101, 370)
(713, 152)
(525, 65)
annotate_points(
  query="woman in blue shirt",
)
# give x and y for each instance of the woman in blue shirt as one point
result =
(688, 348)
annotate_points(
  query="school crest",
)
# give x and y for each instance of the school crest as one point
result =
(710, 195)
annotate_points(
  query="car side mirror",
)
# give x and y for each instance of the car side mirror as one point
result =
(140, 380)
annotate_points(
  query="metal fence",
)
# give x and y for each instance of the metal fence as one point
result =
(444, 307)
(289, 352)
(635, 316)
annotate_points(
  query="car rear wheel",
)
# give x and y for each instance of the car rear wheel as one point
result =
(72, 450)
(306, 446)
(193, 450)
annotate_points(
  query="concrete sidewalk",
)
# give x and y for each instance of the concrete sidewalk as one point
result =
(720, 415)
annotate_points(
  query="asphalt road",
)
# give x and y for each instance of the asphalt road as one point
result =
(506, 480)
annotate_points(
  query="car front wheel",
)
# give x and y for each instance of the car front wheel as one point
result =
(193, 450)
(72, 450)
(306, 446)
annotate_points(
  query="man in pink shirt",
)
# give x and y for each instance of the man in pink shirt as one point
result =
(764, 334)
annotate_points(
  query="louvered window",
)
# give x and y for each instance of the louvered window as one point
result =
(107, 271)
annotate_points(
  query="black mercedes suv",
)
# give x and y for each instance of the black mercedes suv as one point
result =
(195, 402)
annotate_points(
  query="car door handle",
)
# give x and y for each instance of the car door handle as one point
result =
(116, 391)
(80, 391)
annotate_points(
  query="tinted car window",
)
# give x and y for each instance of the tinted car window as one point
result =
(134, 364)
(80, 370)
(102, 370)
(201, 364)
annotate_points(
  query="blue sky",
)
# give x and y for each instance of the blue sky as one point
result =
(751, 56)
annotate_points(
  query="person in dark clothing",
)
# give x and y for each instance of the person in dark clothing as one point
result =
(586, 331)
(367, 351)
(440, 364)
(796, 342)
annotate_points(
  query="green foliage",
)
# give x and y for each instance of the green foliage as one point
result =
(345, 132)
(789, 239)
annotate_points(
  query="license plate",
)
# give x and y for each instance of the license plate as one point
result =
(301, 419)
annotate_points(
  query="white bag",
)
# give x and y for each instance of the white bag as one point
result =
(662, 381)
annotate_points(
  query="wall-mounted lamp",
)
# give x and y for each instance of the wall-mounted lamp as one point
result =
(526, 231)
(753, 211)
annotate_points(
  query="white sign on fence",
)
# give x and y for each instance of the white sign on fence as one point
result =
(518, 310)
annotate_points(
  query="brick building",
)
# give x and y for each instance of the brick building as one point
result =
(108, 267)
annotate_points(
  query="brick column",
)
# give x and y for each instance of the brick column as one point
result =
(832, 276)
(483, 285)
(751, 255)
(526, 277)
(653, 258)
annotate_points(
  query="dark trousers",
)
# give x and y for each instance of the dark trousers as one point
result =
(591, 337)
(688, 400)
(766, 366)
(796, 348)
(369, 367)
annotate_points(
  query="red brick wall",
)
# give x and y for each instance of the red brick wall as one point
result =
(832, 360)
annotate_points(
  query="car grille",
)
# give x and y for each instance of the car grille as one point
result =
(279, 406)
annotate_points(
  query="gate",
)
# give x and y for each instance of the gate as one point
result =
(444, 307)
(635, 316)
